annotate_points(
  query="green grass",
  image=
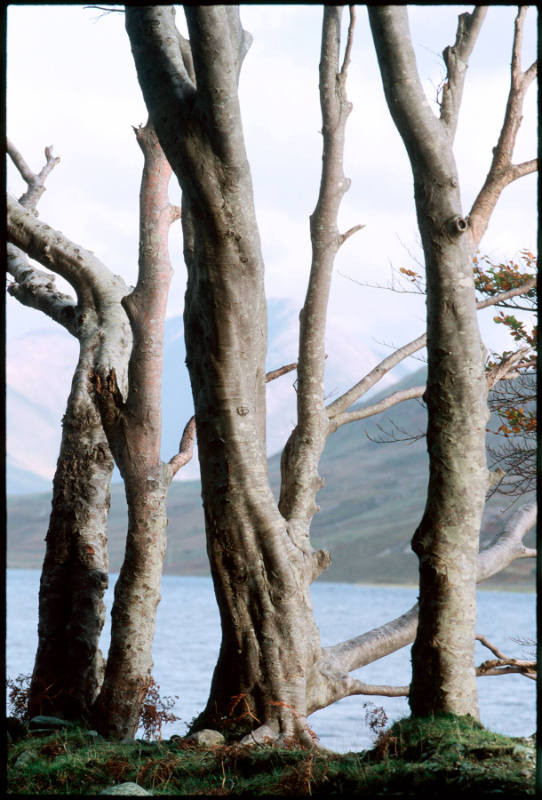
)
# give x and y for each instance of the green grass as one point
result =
(441, 757)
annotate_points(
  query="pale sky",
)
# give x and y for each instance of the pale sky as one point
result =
(72, 84)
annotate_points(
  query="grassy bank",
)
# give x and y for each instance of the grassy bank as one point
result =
(446, 757)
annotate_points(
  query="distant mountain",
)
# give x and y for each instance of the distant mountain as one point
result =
(371, 503)
(40, 367)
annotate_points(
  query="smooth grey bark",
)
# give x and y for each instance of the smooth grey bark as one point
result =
(124, 382)
(446, 541)
(133, 425)
(262, 563)
(261, 560)
(68, 666)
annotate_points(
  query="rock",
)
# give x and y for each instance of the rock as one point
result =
(207, 738)
(265, 734)
(49, 723)
(24, 759)
(126, 788)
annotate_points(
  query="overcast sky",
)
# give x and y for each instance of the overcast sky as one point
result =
(72, 84)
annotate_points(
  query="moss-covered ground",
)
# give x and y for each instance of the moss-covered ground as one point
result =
(442, 757)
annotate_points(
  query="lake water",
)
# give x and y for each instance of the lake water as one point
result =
(187, 641)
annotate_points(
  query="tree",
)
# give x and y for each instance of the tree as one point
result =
(271, 671)
(513, 400)
(116, 394)
(68, 669)
(447, 539)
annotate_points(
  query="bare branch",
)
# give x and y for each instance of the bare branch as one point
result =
(276, 373)
(385, 639)
(299, 464)
(376, 408)
(349, 40)
(508, 367)
(36, 183)
(508, 545)
(186, 447)
(504, 296)
(339, 406)
(36, 289)
(374, 376)
(496, 652)
(357, 687)
(505, 668)
(504, 665)
(350, 232)
(502, 172)
(52, 249)
(456, 59)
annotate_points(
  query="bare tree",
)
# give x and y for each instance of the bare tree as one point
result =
(447, 538)
(271, 671)
(68, 668)
(119, 376)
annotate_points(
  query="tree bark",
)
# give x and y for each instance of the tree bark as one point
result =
(261, 561)
(133, 427)
(446, 541)
(68, 666)
(125, 384)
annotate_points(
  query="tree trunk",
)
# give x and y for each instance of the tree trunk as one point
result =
(261, 561)
(447, 539)
(68, 668)
(134, 429)
(261, 580)
(137, 594)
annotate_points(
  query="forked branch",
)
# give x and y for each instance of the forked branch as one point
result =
(504, 665)
(502, 172)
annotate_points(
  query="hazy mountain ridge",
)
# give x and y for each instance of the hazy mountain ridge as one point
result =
(371, 503)
(39, 370)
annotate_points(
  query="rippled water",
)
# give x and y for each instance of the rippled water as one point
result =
(187, 641)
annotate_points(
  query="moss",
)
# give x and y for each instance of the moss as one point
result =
(440, 757)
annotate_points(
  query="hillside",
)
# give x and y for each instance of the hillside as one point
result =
(370, 505)
(39, 370)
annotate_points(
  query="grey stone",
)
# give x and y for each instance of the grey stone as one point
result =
(24, 759)
(207, 738)
(126, 788)
(265, 734)
(51, 723)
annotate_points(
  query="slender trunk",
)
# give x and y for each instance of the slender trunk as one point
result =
(68, 668)
(137, 594)
(447, 539)
(268, 632)
(134, 430)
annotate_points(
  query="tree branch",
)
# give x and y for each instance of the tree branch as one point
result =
(36, 183)
(186, 447)
(276, 373)
(146, 305)
(504, 665)
(385, 639)
(299, 464)
(52, 249)
(376, 408)
(344, 402)
(508, 545)
(456, 59)
(36, 289)
(504, 296)
(508, 367)
(502, 172)
(341, 404)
